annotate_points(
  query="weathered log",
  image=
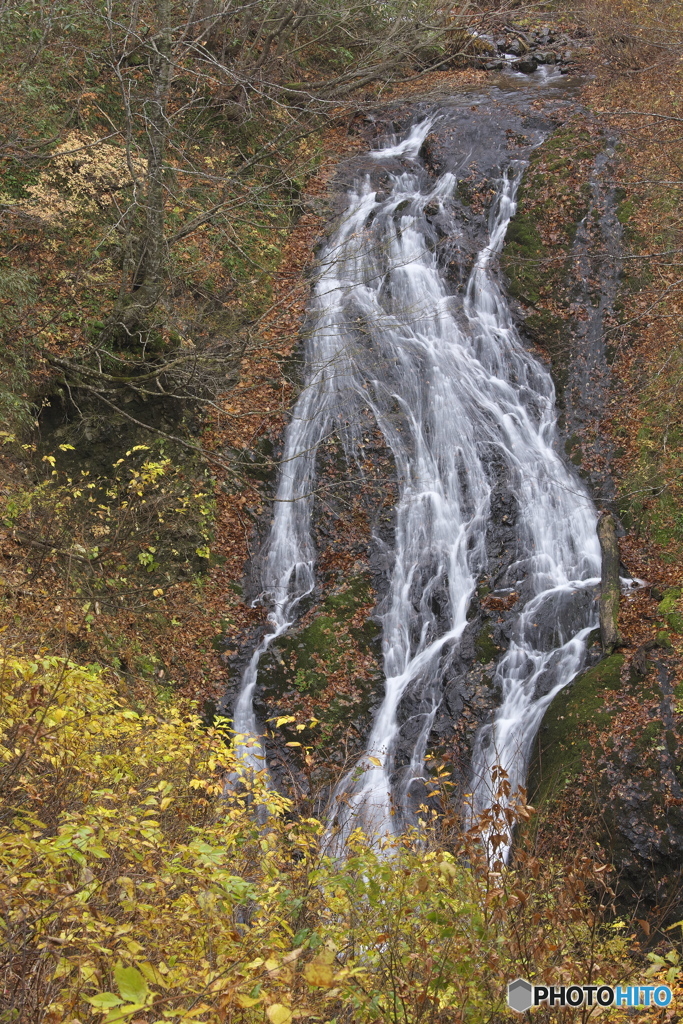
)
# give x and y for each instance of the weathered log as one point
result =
(610, 590)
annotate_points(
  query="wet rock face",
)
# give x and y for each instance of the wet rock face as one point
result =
(608, 765)
(476, 138)
(326, 669)
(642, 782)
(527, 65)
(608, 754)
(329, 666)
(568, 206)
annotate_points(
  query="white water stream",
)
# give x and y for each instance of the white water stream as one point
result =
(448, 383)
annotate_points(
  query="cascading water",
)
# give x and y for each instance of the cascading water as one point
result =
(448, 383)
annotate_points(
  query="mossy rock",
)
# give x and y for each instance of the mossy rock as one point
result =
(550, 332)
(258, 461)
(671, 609)
(487, 649)
(551, 202)
(650, 504)
(466, 191)
(625, 210)
(572, 446)
(329, 645)
(648, 736)
(521, 262)
(562, 738)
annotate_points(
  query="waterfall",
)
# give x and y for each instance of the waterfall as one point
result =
(452, 389)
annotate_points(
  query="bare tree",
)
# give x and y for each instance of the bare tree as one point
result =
(174, 63)
(209, 103)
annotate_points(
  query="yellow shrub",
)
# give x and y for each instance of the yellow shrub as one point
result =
(84, 176)
(132, 889)
(125, 880)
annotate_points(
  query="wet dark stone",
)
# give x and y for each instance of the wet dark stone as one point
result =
(528, 65)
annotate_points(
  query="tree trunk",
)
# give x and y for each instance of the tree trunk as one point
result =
(134, 313)
(610, 590)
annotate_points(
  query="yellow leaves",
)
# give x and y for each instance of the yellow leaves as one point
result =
(284, 720)
(375, 761)
(153, 974)
(84, 175)
(277, 1013)
(169, 919)
(246, 1001)
(319, 973)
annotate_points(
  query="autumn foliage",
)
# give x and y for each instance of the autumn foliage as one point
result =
(143, 876)
(137, 883)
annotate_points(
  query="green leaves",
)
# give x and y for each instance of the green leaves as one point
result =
(134, 995)
(667, 967)
(104, 1000)
(131, 984)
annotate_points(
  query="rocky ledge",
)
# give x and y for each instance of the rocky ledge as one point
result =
(525, 51)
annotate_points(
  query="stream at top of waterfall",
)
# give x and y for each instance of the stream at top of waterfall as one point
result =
(409, 320)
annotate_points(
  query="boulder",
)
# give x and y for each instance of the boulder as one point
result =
(528, 65)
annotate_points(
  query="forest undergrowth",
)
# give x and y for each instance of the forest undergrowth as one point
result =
(136, 884)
